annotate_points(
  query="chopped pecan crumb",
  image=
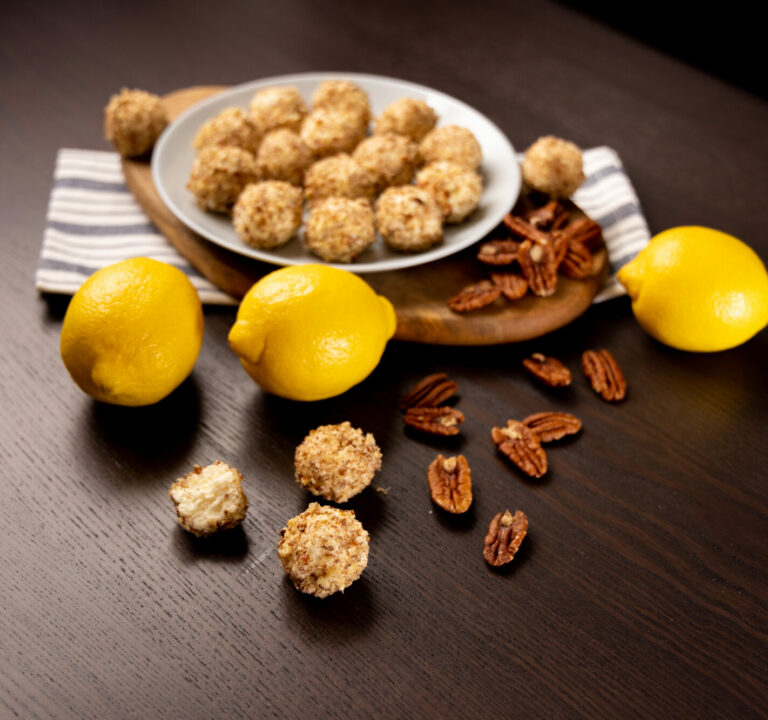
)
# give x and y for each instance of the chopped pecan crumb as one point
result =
(513, 285)
(604, 375)
(498, 252)
(537, 261)
(475, 297)
(505, 534)
(432, 391)
(549, 426)
(548, 369)
(450, 483)
(522, 447)
(436, 421)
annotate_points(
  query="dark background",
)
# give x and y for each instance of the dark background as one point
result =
(641, 589)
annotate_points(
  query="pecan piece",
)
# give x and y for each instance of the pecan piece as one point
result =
(548, 369)
(434, 420)
(539, 266)
(513, 285)
(475, 296)
(505, 534)
(549, 426)
(544, 216)
(498, 252)
(450, 483)
(522, 447)
(577, 262)
(604, 375)
(432, 391)
(586, 231)
(560, 244)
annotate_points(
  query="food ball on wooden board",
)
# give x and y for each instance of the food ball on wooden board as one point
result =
(456, 189)
(406, 116)
(337, 176)
(219, 174)
(342, 95)
(209, 499)
(409, 219)
(283, 156)
(388, 159)
(276, 107)
(229, 127)
(337, 461)
(327, 131)
(323, 550)
(339, 229)
(453, 144)
(553, 166)
(133, 120)
(268, 214)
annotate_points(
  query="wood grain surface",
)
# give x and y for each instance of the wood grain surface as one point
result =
(419, 294)
(640, 591)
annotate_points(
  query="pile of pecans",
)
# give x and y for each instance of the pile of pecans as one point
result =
(531, 247)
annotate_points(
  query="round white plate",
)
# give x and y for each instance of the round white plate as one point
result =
(173, 156)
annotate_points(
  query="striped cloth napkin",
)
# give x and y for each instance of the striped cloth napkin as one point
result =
(93, 220)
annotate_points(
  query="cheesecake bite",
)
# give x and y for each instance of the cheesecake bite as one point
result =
(277, 107)
(283, 156)
(268, 214)
(133, 120)
(388, 159)
(219, 174)
(342, 95)
(229, 127)
(337, 176)
(406, 116)
(327, 131)
(456, 190)
(451, 143)
(339, 229)
(553, 166)
(409, 219)
(323, 550)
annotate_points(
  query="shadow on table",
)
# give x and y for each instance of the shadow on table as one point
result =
(339, 617)
(150, 440)
(229, 546)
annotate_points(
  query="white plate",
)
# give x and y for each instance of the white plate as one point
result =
(173, 156)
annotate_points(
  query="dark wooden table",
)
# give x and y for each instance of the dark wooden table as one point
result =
(641, 590)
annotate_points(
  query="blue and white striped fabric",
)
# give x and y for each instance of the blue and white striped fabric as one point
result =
(93, 220)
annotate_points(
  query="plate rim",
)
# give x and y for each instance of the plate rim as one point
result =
(385, 265)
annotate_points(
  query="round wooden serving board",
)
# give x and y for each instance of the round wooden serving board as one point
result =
(419, 294)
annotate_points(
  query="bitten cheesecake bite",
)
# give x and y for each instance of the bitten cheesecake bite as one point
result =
(277, 107)
(406, 116)
(229, 127)
(219, 174)
(554, 166)
(209, 499)
(388, 159)
(337, 176)
(339, 229)
(133, 120)
(283, 156)
(342, 95)
(456, 189)
(409, 219)
(451, 143)
(323, 550)
(268, 214)
(337, 461)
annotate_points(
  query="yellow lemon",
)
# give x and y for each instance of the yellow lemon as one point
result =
(698, 289)
(132, 332)
(310, 332)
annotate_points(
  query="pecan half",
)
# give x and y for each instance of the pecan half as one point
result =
(604, 375)
(498, 252)
(522, 447)
(577, 262)
(432, 391)
(549, 426)
(505, 534)
(524, 229)
(544, 216)
(435, 421)
(560, 245)
(548, 369)
(450, 483)
(586, 231)
(513, 285)
(475, 297)
(537, 261)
